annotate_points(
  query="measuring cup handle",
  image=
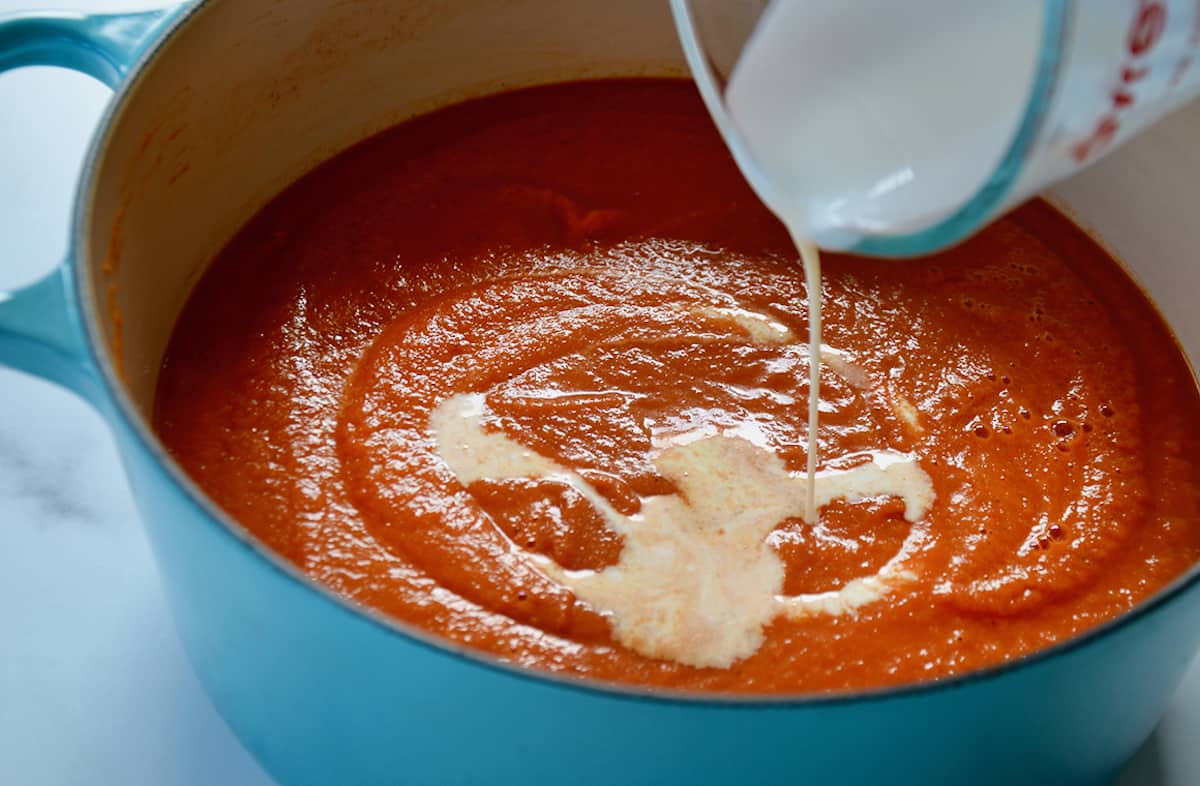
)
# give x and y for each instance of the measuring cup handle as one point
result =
(40, 329)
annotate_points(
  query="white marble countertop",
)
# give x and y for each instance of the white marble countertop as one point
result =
(94, 687)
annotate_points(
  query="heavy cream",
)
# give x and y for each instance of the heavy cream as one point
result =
(696, 580)
(810, 257)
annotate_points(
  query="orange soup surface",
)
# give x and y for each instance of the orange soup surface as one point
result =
(583, 271)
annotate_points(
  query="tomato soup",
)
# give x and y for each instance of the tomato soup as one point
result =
(530, 373)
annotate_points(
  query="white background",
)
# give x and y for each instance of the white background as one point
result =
(94, 687)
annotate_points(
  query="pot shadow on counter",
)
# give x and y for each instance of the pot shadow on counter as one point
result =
(1146, 768)
(1171, 755)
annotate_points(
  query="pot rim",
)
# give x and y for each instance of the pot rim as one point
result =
(127, 415)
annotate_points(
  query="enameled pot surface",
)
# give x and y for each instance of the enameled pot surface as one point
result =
(181, 160)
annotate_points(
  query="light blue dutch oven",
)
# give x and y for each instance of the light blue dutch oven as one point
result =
(221, 104)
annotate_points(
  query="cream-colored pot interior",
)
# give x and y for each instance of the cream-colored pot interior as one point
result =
(253, 93)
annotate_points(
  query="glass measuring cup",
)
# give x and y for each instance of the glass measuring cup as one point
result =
(895, 129)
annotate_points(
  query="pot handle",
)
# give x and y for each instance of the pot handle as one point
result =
(40, 330)
(104, 46)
